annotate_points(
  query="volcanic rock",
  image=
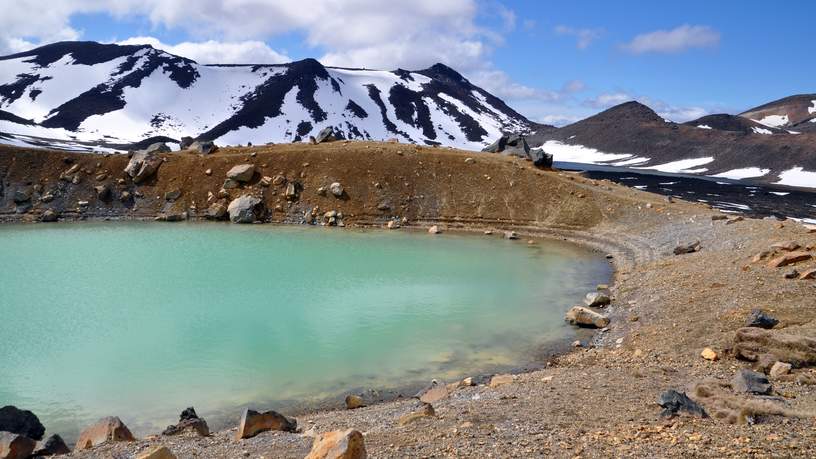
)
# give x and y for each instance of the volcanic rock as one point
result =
(53, 446)
(245, 209)
(253, 423)
(203, 147)
(49, 215)
(348, 444)
(674, 402)
(760, 319)
(427, 410)
(15, 446)
(217, 211)
(687, 248)
(142, 166)
(188, 420)
(789, 259)
(23, 422)
(105, 430)
(751, 382)
(336, 189)
(597, 300)
(584, 317)
(241, 173)
(326, 135)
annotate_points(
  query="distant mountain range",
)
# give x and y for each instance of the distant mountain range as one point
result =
(87, 95)
(90, 94)
(774, 143)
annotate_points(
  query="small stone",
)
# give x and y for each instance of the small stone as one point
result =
(172, 195)
(752, 382)
(266, 181)
(157, 452)
(208, 172)
(792, 274)
(709, 354)
(687, 248)
(49, 215)
(433, 393)
(392, 224)
(278, 180)
(719, 217)
(780, 369)
(511, 235)
(597, 300)
(105, 430)
(426, 411)
(760, 319)
(348, 444)
(469, 160)
(787, 246)
(253, 423)
(601, 287)
(434, 230)
(354, 401)
(336, 189)
(809, 274)
(501, 380)
(581, 316)
(230, 184)
(576, 343)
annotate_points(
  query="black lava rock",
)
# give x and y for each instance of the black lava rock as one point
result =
(674, 402)
(759, 319)
(53, 446)
(21, 422)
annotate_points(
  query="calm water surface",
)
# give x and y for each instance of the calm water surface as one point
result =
(141, 320)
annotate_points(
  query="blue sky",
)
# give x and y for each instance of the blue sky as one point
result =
(552, 61)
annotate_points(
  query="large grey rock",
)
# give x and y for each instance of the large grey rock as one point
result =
(245, 209)
(203, 147)
(14, 446)
(337, 189)
(185, 142)
(217, 211)
(497, 146)
(109, 429)
(325, 135)
(143, 165)
(23, 422)
(517, 146)
(760, 319)
(752, 382)
(597, 299)
(22, 196)
(241, 173)
(158, 147)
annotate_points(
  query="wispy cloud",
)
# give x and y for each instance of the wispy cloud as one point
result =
(675, 40)
(217, 52)
(584, 37)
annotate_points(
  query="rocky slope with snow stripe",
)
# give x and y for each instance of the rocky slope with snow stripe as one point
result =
(795, 113)
(634, 136)
(95, 94)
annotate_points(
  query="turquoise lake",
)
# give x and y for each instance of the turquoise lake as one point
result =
(141, 320)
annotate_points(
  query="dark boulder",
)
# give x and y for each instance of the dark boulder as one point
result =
(252, 423)
(188, 421)
(23, 422)
(53, 445)
(674, 402)
(203, 147)
(246, 209)
(185, 142)
(22, 196)
(14, 446)
(687, 248)
(49, 216)
(497, 146)
(759, 319)
(516, 145)
(751, 382)
(158, 147)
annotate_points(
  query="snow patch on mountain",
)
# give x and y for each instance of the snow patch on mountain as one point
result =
(704, 126)
(759, 130)
(812, 109)
(797, 176)
(578, 153)
(774, 121)
(744, 173)
(683, 166)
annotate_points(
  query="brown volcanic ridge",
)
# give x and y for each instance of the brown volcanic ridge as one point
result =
(636, 129)
(599, 400)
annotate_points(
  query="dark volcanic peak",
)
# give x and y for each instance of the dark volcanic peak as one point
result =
(631, 111)
(122, 94)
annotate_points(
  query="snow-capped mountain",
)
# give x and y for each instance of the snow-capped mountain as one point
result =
(77, 94)
(721, 146)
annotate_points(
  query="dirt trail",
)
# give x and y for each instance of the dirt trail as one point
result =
(594, 402)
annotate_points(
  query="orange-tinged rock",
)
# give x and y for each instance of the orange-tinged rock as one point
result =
(709, 354)
(500, 380)
(106, 429)
(157, 452)
(789, 259)
(253, 423)
(809, 274)
(340, 444)
(14, 446)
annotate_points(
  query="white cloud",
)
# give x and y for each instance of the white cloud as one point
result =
(584, 37)
(214, 52)
(675, 40)
(609, 99)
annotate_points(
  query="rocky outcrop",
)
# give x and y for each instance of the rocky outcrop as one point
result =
(516, 145)
(23, 422)
(105, 430)
(426, 411)
(185, 142)
(584, 317)
(246, 209)
(253, 423)
(597, 300)
(789, 259)
(756, 344)
(345, 444)
(52, 446)
(188, 422)
(143, 165)
(241, 173)
(15, 446)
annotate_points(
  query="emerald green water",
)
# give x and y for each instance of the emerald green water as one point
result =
(141, 320)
